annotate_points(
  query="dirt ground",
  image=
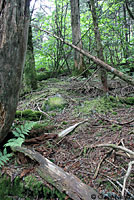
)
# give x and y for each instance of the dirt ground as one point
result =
(102, 168)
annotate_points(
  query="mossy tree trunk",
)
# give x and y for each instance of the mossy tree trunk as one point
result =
(30, 78)
(103, 72)
(14, 22)
(76, 35)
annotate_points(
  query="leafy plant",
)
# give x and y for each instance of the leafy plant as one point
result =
(4, 157)
(20, 133)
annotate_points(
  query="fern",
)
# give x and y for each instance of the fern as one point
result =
(20, 133)
(4, 157)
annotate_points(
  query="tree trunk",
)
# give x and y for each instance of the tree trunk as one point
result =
(29, 69)
(103, 72)
(14, 22)
(76, 35)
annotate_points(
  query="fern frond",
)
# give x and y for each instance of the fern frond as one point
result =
(15, 142)
(4, 157)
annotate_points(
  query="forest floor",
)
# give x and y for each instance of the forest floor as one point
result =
(108, 121)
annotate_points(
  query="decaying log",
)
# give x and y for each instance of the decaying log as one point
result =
(63, 181)
(96, 60)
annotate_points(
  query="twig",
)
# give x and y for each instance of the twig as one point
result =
(98, 167)
(113, 121)
(118, 183)
(44, 113)
(126, 177)
(114, 146)
(122, 142)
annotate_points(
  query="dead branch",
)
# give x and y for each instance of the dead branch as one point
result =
(114, 146)
(113, 121)
(98, 167)
(63, 181)
(44, 113)
(126, 177)
(96, 60)
(70, 129)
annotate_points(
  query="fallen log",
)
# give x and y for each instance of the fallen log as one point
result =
(96, 60)
(63, 181)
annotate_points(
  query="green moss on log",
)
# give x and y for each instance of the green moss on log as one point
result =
(29, 188)
(29, 115)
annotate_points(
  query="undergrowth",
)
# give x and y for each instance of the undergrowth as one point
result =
(19, 137)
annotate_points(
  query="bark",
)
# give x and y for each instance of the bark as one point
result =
(29, 70)
(96, 60)
(129, 11)
(14, 21)
(76, 35)
(126, 50)
(56, 176)
(103, 72)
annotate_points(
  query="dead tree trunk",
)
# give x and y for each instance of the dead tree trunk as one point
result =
(56, 176)
(14, 22)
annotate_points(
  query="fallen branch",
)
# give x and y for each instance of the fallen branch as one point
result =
(56, 176)
(114, 146)
(44, 113)
(128, 151)
(101, 161)
(96, 60)
(113, 121)
(70, 129)
(126, 177)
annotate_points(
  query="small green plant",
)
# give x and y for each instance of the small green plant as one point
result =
(4, 157)
(19, 134)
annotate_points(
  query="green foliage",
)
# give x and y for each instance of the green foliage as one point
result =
(19, 134)
(127, 100)
(29, 115)
(4, 157)
(29, 188)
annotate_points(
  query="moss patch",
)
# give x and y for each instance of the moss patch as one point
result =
(29, 115)
(29, 188)
(101, 104)
(127, 100)
(55, 102)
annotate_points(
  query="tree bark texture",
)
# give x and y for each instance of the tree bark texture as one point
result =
(100, 55)
(76, 35)
(14, 22)
(56, 176)
(29, 69)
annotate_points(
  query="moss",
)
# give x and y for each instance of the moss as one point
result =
(29, 115)
(127, 100)
(40, 125)
(29, 188)
(55, 102)
(101, 104)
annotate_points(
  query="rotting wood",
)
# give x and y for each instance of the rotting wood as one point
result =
(96, 60)
(63, 181)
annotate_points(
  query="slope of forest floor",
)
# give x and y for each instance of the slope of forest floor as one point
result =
(109, 120)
